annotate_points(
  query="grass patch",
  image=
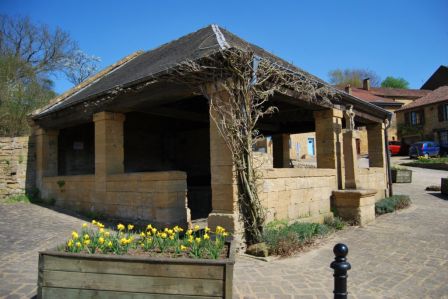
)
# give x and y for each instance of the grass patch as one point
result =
(391, 204)
(285, 239)
(424, 160)
(19, 198)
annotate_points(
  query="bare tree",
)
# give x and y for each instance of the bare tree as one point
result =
(247, 83)
(80, 66)
(38, 46)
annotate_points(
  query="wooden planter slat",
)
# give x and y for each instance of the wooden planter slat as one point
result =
(132, 268)
(131, 283)
(69, 275)
(75, 293)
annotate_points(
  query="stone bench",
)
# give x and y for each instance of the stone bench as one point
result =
(355, 205)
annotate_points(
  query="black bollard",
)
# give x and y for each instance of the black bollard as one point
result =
(340, 267)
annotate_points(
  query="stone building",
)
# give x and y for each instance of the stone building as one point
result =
(426, 118)
(130, 145)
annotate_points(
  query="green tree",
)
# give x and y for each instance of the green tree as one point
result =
(29, 55)
(393, 82)
(354, 77)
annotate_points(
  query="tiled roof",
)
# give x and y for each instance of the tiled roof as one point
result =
(437, 96)
(368, 96)
(399, 92)
(439, 78)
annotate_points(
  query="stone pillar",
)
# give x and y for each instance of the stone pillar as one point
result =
(329, 153)
(375, 137)
(109, 151)
(224, 185)
(280, 150)
(46, 154)
(350, 159)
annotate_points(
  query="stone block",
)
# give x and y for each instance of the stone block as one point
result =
(355, 205)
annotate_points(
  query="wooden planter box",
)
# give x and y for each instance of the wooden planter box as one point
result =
(71, 275)
(401, 176)
(444, 186)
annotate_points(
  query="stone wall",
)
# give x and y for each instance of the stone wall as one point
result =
(297, 193)
(150, 197)
(17, 165)
(373, 178)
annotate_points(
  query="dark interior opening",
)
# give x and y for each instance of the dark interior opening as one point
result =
(76, 150)
(173, 137)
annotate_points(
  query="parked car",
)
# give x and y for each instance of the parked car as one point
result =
(424, 148)
(394, 147)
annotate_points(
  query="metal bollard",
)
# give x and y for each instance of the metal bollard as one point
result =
(340, 267)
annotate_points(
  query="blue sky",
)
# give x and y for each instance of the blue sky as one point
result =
(401, 38)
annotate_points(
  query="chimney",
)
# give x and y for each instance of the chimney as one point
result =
(348, 89)
(366, 84)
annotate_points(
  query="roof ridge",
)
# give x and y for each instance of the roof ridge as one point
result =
(220, 37)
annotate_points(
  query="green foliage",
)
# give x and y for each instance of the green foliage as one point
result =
(391, 204)
(285, 239)
(19, 198)
(354, 77)
(393, 82)
(423, 160)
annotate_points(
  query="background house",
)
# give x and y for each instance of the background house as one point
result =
(425, 118)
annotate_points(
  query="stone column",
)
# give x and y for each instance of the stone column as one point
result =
(350, 159)
(109, 151)
(329, 153)
(46, 154)
(223, 178)
(280, 150)
(375, 137)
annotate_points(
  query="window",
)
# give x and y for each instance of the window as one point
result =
(443, 136)
(414, 118)
(443, 112)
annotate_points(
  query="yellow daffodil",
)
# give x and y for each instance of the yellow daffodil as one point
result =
(120, 227)
(123, 241)
(86, 236)
(130, 226)
(101, 230)
(189, 232)
(109, 244)
(153, 230)
(206, 237)
(149, 227)
(177, 229)
(196, 227)
(106, 234)
(94, 222)
(78, 244)
(163, 235)
(207, 229)
(75, 235)
(183, 248)
(198, 240)
(171, 237)
(84, 225)
(101, 240)
(142, 234)
(190, 239)
(86, 242)
(70, 243)
(225, 234)
(99, 225)
(220, 230)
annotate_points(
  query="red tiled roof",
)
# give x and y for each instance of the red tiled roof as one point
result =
(366, 95)
(399, 92)
(436, 96)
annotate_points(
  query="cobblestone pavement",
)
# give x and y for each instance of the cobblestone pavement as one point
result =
(25, 230)
(401, 255)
